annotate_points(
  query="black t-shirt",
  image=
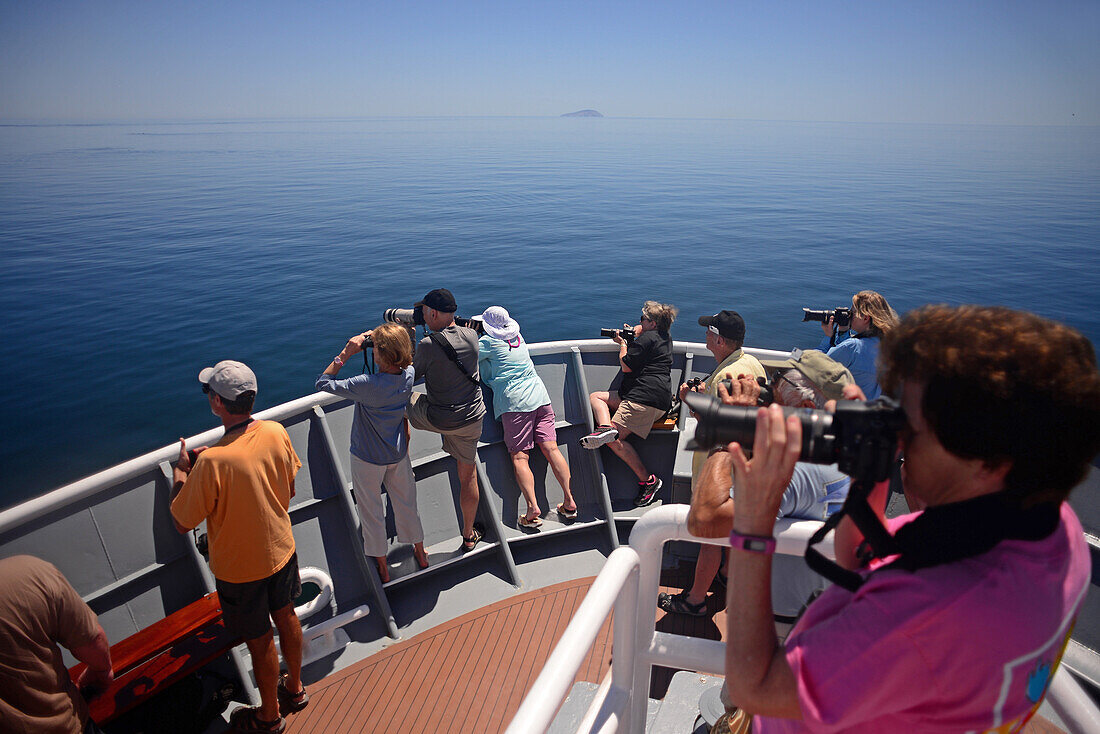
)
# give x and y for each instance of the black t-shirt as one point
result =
(649, 381)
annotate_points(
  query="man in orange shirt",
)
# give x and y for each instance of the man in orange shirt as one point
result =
(242, 488)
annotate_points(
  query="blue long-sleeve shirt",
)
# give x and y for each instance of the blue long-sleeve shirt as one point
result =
(859, 355)
(378, 425)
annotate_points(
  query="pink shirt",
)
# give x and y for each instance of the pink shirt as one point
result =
(968, 646)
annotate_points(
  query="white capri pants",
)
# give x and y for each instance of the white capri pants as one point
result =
(366, 484)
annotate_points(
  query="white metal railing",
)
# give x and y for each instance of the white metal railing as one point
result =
(628, 583)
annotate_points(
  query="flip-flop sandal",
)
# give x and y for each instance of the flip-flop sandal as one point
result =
(248, 720)
(532, 523)
(471, 542)
(566, 514)
(291, 701)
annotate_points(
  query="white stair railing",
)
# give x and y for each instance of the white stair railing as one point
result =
(628, 583)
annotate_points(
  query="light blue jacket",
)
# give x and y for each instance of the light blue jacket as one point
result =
(510, 373)
(860, 355)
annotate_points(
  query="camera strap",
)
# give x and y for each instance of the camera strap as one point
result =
(441, 341)
(941, 534)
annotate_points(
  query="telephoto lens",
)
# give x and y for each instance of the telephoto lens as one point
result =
(406, 316)
(720, 424)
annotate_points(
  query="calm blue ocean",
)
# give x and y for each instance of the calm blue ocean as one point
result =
(132, 255)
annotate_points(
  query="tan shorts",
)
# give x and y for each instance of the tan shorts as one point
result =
(460, 442)
(635, 417)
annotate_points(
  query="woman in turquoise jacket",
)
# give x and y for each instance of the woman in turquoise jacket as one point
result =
(522, 405)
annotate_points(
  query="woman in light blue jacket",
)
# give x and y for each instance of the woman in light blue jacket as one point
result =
(522, 405)
(857, 348)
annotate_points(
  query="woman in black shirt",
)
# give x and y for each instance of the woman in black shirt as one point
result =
(643, 397)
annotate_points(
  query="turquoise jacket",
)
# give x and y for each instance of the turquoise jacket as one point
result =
(508, 370)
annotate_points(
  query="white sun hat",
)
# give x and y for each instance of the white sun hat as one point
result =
(499, 325)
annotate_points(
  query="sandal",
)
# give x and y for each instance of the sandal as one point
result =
(469, 543)
(679, 604)
(247, 719)
(534, 522)
(567, 514)
(293, 702)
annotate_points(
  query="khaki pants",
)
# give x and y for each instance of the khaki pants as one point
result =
(460, 442)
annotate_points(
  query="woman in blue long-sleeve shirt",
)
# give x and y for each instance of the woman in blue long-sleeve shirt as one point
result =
(379, 440)
(857, 348)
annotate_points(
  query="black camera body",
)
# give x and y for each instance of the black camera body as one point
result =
(861, 438)
(626, 334)
(842, 316)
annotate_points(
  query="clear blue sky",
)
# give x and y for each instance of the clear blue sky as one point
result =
(1012, 62)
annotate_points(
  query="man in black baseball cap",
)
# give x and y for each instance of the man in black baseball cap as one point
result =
(446, 361)
(725, 335)
(440, 299)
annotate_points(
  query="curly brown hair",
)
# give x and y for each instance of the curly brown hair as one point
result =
(393, 344)
(1003, 385)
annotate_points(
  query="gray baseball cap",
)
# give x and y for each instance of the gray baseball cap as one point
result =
(829, 375)
(229, 379)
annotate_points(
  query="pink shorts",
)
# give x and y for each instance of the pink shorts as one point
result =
(523, 430)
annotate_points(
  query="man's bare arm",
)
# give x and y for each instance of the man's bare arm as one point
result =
(97, 656)
(711, 513)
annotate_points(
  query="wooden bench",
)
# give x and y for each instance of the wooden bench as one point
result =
(151, 660)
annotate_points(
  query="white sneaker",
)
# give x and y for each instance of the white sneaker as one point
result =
(600, 436)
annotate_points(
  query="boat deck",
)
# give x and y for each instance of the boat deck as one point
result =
(470, 674)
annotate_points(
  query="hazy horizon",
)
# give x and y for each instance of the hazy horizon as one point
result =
(935, 62)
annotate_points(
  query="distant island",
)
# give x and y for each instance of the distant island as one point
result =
(583, 113)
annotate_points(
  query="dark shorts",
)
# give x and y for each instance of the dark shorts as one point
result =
(246, 607)
(523, 430)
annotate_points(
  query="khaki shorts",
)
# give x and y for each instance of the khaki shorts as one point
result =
(635, 417)
(460, 442)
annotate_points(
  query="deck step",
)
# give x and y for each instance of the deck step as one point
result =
(679, 711)
(576, 705)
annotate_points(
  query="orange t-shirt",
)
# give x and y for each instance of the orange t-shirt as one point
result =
(241, 486)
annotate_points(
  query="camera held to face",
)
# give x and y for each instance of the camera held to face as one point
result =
(626, 334)
(413, 317)
(861, 438)
(406, 316)
(842, 316)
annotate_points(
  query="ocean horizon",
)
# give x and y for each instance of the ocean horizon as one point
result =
(132, 254)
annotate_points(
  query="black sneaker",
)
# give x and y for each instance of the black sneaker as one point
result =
(647, 491)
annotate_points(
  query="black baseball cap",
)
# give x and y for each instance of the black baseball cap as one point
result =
(725, 323)
(440, 299)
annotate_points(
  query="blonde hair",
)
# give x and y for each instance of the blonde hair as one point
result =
(875, 307)
(394, 344)
(663, 313)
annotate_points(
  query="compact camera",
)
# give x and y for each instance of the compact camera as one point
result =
(842, 316)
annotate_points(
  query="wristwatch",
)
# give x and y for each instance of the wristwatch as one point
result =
(338, 361)
(752, 543)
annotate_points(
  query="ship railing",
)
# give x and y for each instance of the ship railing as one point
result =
(628, 585)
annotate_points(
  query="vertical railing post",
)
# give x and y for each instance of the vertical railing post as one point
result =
(625, 650)
(597, 463)
(494, 519)
(367, 571)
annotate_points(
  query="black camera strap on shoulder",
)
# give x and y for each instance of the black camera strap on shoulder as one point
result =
(441, 341)
(941, 534)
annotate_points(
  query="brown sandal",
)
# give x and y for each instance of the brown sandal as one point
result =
(247, 720)
(293, 702)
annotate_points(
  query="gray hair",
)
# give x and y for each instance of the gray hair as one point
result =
(791, 387)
